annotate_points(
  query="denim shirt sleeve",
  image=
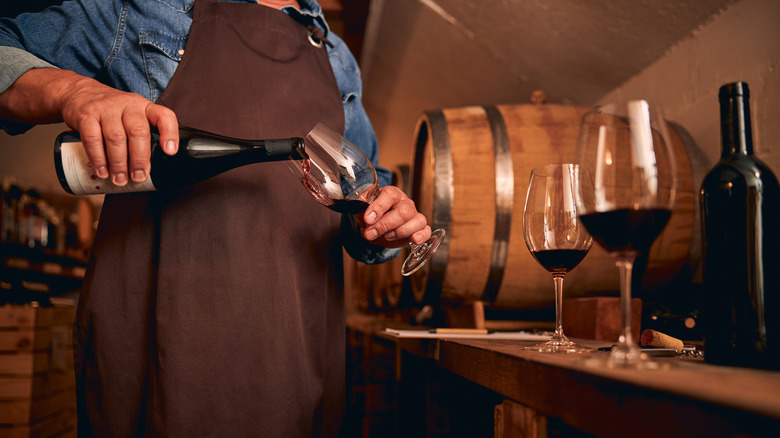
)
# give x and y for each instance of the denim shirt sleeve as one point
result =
(358, 130)
(76, 35)
(16, 62)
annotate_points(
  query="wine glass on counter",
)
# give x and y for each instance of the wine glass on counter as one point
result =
(627, 149)
(555, 237)
(341, 177)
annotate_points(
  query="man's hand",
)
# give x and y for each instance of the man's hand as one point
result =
(392, 220)
(114, 125)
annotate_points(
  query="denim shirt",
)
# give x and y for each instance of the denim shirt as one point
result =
(136, 46)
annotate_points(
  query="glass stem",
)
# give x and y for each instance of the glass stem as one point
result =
(413, 248)
(625, 265)
(558, 279)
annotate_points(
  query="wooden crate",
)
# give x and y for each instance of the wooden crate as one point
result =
(37, 382)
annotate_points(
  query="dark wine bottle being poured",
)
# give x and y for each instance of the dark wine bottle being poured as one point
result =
(200, 156)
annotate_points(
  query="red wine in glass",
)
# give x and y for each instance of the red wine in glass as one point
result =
(559, 260)
(345, 206)
(349, 206)
(625, 229)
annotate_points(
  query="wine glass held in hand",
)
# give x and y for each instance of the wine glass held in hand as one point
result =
(627, 150)
(341, 177)
(555, 237)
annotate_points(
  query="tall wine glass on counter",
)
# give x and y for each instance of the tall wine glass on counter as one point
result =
(341, 177)
(555, 237)
(627, 149)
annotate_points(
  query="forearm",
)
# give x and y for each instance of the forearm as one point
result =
(35, 96)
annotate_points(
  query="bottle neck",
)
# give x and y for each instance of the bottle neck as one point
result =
(199, 144)
(735, 125)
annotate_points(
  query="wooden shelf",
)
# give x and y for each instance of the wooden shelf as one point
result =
(690, 398)
(32, 274)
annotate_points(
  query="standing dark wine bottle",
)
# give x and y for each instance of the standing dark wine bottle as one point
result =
(740, 202)
(201, 156)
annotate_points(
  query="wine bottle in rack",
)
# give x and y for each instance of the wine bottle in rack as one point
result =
(200, 156)
(740, 202)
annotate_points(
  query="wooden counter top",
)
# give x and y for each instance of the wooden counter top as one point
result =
(689, 398)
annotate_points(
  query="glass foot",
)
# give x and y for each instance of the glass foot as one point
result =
(560, 344)
(421, 253)
(623, 356)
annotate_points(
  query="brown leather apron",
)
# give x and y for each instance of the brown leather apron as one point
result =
(217, 310)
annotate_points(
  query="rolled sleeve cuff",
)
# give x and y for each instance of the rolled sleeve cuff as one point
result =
(16, 62)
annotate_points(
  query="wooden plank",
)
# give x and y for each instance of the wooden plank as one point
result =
(56, 354)
(17, 316)
(31, 316)
(24, 340)
(54, 316)
(27, 411)
(57, 424)
(33, 387)
(31, 363)
(70, 433)
(61, 348)
(16, 387)
(513, 420)
(24, 363)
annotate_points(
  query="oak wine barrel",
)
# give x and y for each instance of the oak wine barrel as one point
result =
(470, 173)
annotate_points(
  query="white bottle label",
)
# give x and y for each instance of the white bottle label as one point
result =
(82, 180)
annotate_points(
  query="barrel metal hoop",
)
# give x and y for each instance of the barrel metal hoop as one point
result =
(505, 194)
(444, 189)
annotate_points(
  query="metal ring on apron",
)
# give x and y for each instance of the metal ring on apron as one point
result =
(314, 41)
